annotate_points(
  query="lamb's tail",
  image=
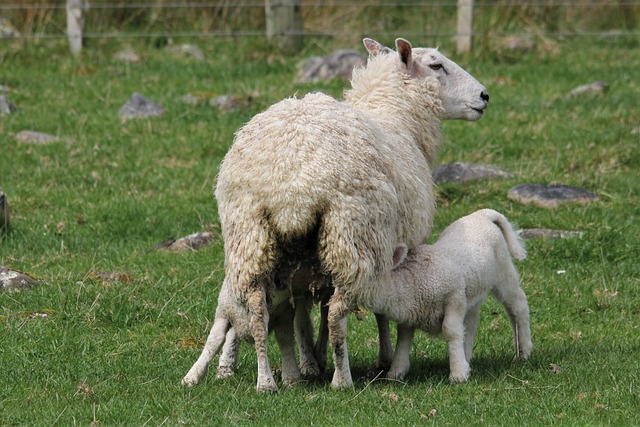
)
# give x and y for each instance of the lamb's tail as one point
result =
(514, 242)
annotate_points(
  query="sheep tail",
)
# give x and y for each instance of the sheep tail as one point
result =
(514, 242)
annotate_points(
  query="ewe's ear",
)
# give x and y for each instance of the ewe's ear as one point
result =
(404, 50)
(400, 254)
(374, 48)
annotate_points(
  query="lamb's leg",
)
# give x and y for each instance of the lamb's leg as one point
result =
(337, 319)
(471, 321)
(284, 334)
(453, 332)
(385, 353)
(400, 364)
(257, 305)
(320, 349)
(304, 336)
(214, 341)
(515, 304)
(229, 354)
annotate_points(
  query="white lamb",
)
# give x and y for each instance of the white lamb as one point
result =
(350, 179)
(439, 288)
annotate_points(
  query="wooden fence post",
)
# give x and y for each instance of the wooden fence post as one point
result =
(75, 24)
(465, 25)
(284, 23)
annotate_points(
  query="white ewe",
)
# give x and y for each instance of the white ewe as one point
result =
(350, 178)
(439, 288)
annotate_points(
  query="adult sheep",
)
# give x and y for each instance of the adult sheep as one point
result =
(351, 177)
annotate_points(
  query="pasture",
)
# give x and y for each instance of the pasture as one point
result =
(80, 350)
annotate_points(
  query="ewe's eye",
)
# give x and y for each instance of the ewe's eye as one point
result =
(436, 67)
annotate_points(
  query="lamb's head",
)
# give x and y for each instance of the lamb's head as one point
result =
(462, 96)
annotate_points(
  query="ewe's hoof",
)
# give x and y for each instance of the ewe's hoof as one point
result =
(310, 370)
(459, 378)
(267, 388)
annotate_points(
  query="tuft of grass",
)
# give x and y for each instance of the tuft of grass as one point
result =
(83, 350)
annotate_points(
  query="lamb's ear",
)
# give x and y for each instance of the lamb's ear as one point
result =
(374, 48)
(404, 50)
(400, 254)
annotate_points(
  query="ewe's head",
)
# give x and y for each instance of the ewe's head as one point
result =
(462, 96)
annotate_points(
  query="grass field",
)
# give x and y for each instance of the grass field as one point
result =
(113, 353)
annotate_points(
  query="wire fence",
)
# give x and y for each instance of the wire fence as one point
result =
(46, 19)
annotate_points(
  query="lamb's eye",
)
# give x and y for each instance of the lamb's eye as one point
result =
(436, 67)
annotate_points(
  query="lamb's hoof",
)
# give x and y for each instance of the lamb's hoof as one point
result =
(396, 375)
(340, 383)
(224, 372)
(190, 381)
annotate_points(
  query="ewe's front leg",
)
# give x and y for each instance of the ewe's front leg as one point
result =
(385, 352)
(304, 336)
(285, 336)
(400, 364)
(337, 319)
(214, 341)
(453, 332)
(259, 324)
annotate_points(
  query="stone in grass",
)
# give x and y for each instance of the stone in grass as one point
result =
(461, 172)
(36, 138)
(6, 106)
(596, 88)
(550, 196)
(126, 55)
(14, 280)
(111, 276)
(547, 233)
(139, 107)
(230, 102)
(191, 242)
(337, 64)
(186, 49)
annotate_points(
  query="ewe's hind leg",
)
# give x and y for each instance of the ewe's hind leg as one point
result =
(385, 352)
(515, 304)
(229, 354)
(285, 336)
(338, 311)
(471, 321)
(453, 332)
(304, 336)
(400, 364)
(257, 305)
(214, 341)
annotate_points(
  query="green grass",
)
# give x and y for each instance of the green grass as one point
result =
(114, 353)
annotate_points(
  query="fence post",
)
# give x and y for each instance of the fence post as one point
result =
(284, 23)
(75, 24)
(465, 25)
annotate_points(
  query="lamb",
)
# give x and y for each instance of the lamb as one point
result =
(351, 178)
(232, 324)
(440, 287)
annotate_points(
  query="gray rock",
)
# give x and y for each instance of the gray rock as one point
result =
(229, 102)
(461, 172)
(186, 49)
(33, 137)
(8, 31)
(596, 88)
(6, 106)
(337, 64)
(139, 107)
(191, 242)
(13, 280)
(516, 43)
(550, 196)
(5, 220)
(126, 55)
(547, 233)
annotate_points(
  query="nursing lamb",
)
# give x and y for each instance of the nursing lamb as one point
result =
(440, 287)
(354, 177)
